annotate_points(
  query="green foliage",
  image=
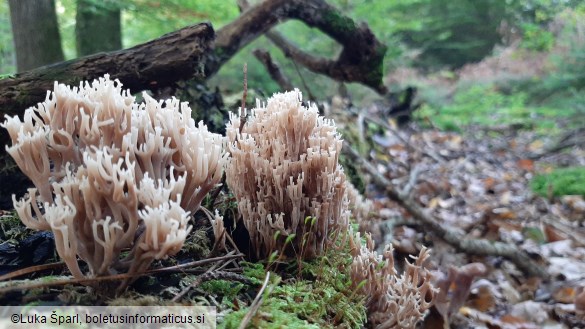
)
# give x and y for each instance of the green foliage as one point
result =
(488, 106)
(562, 85)
(452, 33)
(7, 61)
(536, 38)
(562, 181)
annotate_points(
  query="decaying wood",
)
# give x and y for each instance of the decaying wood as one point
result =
(159, 63)
(273, 69)
(470, 246)
(362, 56)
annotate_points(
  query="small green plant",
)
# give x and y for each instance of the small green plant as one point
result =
(562, 181)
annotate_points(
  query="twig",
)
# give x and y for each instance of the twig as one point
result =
(255, 304)
(412, 180)
(393, 131)
(273, 69)
(470, 246)
(572, 232)
(230, 255)
(244, 96)
(573, 138)
(243, 117)
(116, 276)
(30, 269)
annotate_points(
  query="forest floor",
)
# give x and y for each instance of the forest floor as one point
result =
(483, 189)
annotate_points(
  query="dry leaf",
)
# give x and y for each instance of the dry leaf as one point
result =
(552, 234)
(565, 295)
(526, 164)
(530, 311)
(536, 146)
(482, 299)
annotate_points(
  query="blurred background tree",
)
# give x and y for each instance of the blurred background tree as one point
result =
(35, 33)
(97, 26)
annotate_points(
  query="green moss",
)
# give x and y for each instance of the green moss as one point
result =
(228, 290)
(486, 105)
(12, 229)
(197, 244)
(317, 294)
(338, 22)
(563, 181)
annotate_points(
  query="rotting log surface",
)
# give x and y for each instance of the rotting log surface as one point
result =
(156, 64)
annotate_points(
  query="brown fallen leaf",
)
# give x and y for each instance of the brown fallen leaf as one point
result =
(483, 299)
(526, 164)
(552, 234)
(565, 295)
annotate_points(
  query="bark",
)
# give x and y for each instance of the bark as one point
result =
(152, 65)
(273, 69)
(156, 64)
(36, 33)
(97, 27)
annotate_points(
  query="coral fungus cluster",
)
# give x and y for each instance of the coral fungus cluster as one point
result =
(392, 300)
(112, 175)
(285, 174)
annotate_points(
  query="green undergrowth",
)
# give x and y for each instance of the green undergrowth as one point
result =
(559, 182)
(486, 105)
(305, 294)
(12, 229)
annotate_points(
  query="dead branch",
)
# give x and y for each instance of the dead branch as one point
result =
(116, 277)
(149, 66)
(381, 123)
(471, 246)
(573, 138)
(361, 59)
(273, 69)
(186, 53)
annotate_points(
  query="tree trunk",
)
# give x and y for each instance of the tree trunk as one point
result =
(36, 33)
(97, 27)
(7, 58)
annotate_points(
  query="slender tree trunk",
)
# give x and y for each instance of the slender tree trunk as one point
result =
(7, 58)
(97, 27)
(36, 33)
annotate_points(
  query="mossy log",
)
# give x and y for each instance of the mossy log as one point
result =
(156, 64)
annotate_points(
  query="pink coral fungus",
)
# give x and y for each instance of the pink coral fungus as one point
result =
(285, 174)
(112, 175)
